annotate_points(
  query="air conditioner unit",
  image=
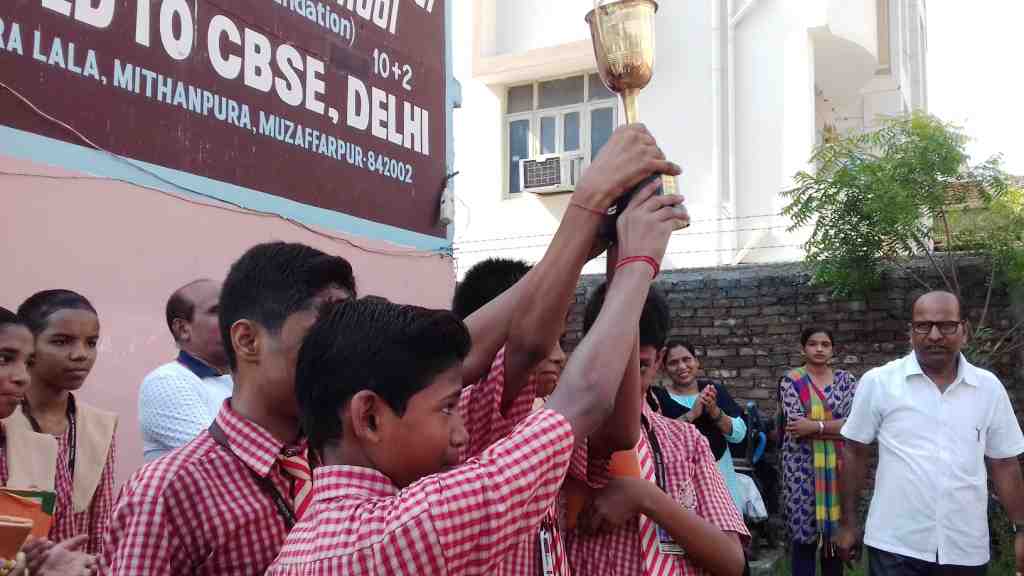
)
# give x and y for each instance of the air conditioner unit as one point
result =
(550, 173)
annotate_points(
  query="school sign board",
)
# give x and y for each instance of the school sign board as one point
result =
(338, 105)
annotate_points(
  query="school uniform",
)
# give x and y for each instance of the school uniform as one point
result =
(485, 424)
(457, 523)
(83, 468)
(206, 508)
(689, 474)
(220, 505)
(26, 459)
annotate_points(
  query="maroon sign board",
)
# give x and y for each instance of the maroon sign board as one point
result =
(337, 104)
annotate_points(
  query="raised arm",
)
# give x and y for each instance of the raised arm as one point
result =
(536, 321)
(586, 392)
(622, 429)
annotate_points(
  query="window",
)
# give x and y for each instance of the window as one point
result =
(572, 117)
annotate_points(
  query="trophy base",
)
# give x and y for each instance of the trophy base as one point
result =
(669, 185)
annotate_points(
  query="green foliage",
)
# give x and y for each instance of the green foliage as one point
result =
(874, 196)
(996, 230)
(882, 197)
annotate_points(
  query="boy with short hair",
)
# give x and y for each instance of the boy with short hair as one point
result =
(378, 386)
(677, 518)
(222, 504)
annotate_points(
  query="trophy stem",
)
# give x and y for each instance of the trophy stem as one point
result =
(631, 103)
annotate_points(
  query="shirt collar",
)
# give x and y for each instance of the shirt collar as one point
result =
(964, 370)
(197, 366)
(254, 446)
(332, 482)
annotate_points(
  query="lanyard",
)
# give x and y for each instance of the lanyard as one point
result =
(72, 431)
(659, 461)
(284, 509)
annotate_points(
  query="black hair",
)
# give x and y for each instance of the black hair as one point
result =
(180, 307)
(37, 309)
(390, 349)
(270, 282)
(484, 282)
(679, 343)
(8, 318)
(811, 331)
(654, 319)
(375, 298)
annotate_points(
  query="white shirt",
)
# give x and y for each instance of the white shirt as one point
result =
(931, 492)
(175, 405)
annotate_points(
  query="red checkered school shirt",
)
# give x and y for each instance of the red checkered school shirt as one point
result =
(480, 406)
(457, 523)
(95, 519)
(4, 476)
(92, 521)
(692, 479)
(199, 510)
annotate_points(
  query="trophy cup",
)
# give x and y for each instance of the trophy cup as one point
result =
(623, 35)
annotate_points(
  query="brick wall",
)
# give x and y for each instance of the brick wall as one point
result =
(746, 321)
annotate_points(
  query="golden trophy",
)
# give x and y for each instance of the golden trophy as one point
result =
(623, 35)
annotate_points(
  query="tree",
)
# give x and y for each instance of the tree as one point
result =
(883, 197)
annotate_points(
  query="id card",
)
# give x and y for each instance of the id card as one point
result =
(667, 545)
(547, 557)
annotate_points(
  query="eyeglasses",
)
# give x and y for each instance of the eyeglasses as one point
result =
(947, 328)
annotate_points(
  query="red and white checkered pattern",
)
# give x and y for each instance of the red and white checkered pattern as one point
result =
(4, 474)
(457, 522)
(692, 473)
(480, 406)
(92, 521)
(199, 510)
(301, 493)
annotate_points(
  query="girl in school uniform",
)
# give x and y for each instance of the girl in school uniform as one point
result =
(66, 330)
(26, 458)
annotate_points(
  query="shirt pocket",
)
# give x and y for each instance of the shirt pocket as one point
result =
(969, 448)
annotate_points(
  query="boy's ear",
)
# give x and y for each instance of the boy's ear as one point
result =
(364, 414)
(246, 341)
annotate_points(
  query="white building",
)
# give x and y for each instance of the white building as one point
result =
(742, 91)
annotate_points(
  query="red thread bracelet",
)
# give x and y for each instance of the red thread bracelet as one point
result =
(655, 267)
(588, 208)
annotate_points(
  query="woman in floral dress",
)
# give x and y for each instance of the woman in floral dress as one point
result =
(815, 402)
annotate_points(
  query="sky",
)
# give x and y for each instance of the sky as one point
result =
(975, 77)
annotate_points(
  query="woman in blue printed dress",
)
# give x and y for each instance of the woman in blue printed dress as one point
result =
(815, 402)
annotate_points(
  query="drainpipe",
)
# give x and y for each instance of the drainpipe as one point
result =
(742, 13)
(734, 21)
(718, 135)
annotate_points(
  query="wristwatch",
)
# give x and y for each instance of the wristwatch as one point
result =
(821, 427)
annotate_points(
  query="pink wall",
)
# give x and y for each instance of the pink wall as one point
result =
(127, 247)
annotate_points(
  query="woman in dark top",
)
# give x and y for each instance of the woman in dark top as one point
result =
(705, 404)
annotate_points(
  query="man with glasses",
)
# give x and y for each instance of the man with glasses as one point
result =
(938, 420)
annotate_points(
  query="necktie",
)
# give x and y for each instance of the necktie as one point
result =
(297, 466)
